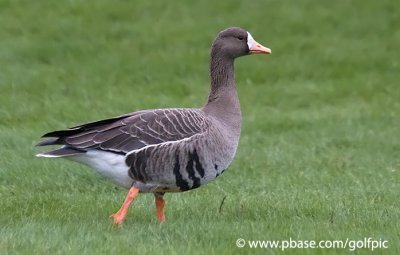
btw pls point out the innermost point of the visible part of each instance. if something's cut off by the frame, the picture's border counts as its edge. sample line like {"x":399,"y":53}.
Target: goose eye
{"x":241,"y":38}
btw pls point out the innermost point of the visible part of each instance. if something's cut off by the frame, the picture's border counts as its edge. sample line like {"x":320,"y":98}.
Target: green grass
{"x":319,"y":156}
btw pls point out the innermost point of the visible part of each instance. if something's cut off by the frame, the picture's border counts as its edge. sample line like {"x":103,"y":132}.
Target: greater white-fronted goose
{"x":166,"y":150}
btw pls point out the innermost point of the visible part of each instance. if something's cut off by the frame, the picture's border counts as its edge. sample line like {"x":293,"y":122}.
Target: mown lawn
{"x":319,"y":156}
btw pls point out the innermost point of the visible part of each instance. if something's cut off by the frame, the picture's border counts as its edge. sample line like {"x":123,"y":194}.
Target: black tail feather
{"x":49,"y":141}
{"x":58,"y":137}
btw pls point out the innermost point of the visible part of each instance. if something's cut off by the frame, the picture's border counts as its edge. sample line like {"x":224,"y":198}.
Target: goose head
{"x":236,"y":42}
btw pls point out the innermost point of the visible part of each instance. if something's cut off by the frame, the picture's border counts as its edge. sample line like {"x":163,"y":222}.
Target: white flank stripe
{"x":41,"y":155}
{"x":160,"y":144}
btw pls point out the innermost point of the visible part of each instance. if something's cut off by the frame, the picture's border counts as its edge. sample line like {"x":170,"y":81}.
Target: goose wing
{"x":132,"y":131}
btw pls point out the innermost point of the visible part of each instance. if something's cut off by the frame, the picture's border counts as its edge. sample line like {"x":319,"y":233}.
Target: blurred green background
{"x":319,"y":152}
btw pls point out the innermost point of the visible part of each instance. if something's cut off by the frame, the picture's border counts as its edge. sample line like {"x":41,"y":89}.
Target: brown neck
{"x":223,"y":101}
{"x":222,"y":74}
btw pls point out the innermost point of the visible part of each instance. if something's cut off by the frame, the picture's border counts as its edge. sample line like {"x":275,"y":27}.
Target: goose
{"x":166,"y":150}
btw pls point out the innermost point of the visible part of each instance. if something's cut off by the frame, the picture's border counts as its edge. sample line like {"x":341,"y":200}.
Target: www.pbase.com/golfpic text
{"x":349,"y":244}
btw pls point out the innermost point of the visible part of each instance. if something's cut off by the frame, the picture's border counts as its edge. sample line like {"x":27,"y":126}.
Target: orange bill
{"x":257,"y":48}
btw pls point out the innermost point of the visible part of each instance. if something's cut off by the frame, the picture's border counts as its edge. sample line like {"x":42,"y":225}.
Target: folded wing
{"x":129,"y":132}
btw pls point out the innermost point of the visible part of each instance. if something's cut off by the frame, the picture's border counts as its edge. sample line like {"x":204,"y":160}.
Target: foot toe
{"x":116,"y":219}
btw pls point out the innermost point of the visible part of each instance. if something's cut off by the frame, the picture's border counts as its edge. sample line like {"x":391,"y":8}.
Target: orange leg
{"x":160,"y":202}
{"x":121,"y":214}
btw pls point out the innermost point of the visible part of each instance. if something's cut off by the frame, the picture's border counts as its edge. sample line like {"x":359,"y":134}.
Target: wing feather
{"x":132,"y":131}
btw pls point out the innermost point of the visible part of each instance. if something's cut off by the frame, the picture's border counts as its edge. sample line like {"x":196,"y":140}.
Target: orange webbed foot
{"x":119,"y":216}
{"x":117,"y":219}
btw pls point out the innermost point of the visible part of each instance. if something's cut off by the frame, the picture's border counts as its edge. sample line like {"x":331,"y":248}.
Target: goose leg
{"x":160,"y":202}
{"x":119,"y":216}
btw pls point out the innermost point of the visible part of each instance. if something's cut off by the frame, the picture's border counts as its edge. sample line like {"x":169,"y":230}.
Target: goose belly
{"x":184,"y":178}
{"x":183,"y":169}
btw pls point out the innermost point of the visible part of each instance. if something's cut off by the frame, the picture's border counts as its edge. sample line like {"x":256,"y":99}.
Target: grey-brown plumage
{"x":167,"y":150}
